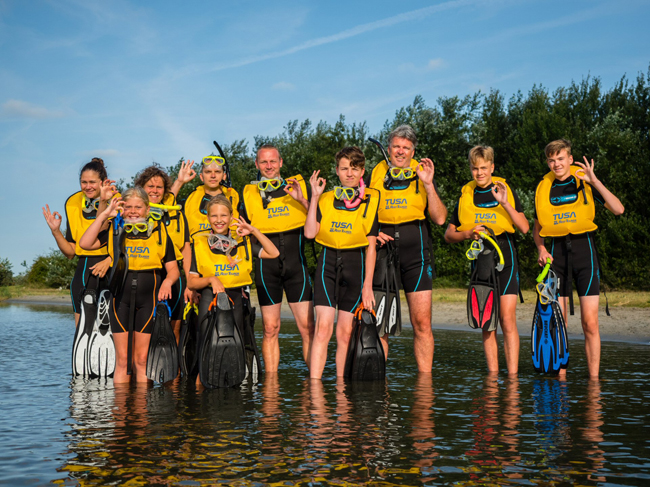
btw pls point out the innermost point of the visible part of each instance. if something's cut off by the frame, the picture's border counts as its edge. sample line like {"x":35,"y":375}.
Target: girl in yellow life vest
{"x":489,"y":202}
{"x":81,"y":209}
{"x":157,"y":185}
{"x":344,"y":221}
{"x":149,"y":250}
{"x":222,"y":263}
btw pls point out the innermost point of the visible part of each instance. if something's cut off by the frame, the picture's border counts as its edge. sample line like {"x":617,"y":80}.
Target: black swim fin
{"x":187,"y":353}
{"x":385,"y":285}
{"x":253,"y":363}
{"x":222,"y":362}
{"x":365,"y":359}
{"x":82,"y":333}
{"x":101,"y":347}
{"x":162,"y":358}
{"x":549,"y":344}
{"x":120,"y":266}
{"x":483,"y":293}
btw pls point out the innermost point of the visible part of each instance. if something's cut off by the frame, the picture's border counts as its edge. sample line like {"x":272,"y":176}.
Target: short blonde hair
{"x":136,"y":192}
{"x":556,"y":146}
{"x":219,"y":200}
{"x":484,"y":152}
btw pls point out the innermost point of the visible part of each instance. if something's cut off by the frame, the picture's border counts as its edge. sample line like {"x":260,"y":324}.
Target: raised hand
{"x":294,"y":190}
{"x":426,"y":170}
{"x":243,"y":227}
{"x":114,"y":207}
{"x":317,"y":184}
{"x":587,"y":174}
{"x":108,"y":190}
{"x":500,"y":192}
{"x":53,"y":219}
{"x":186,"y":173}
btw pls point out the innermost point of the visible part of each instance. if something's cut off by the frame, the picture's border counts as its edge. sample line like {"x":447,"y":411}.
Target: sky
{"x":137,"y":82}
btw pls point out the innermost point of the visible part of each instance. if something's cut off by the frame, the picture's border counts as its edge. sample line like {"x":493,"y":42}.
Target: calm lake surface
{"x":459,"y":427}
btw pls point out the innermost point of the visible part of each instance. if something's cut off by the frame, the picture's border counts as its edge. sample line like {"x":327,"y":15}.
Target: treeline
{"x":610,"y":126}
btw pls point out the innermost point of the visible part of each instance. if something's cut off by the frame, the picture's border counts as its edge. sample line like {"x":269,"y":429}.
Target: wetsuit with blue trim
{"x":178,"y":231}
{"x":80,"y":214}
{"x":481,"y":208}
{"x":343,"y":234}
{"x":403,"y":216}
{"x":282,"y":219}
{"x":565,"y":211}
{"x":147,"y":254}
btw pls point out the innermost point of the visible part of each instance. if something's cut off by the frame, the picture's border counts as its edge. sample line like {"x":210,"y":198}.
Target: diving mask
{"x":223,"y":243}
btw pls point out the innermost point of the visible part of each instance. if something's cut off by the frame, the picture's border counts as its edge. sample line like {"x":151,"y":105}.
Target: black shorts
{"x":146,"y":298}
{"x":414,"y":244}
{"x":286,"y":273}
{"x":204,"y":304}
{"x":509,"y":276}
{"x":584,"y":264}
{"x":348,"y":268}
{"x":82,"y":278}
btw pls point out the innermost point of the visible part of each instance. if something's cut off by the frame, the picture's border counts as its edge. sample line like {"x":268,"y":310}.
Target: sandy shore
{"x":626,"y":323}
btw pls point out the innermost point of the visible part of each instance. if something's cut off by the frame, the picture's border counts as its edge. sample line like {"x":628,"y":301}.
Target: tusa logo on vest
{"x":137,"y":252}
{"x":568,"y":217}
{"x":279,"y":211}
{"x":204,"y":226}
{"x":341,"y":227}
{"x":485,"y":217}
{"x":395,"y":203}
{"x":226,"y":269}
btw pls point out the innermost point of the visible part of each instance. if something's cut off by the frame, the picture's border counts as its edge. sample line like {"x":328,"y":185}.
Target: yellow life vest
{"x":345,"y":229}
{"x":399,"y":205}
{"x":209,"y":263}
{"x":197,"y":221}
{"x":496,"y":218}
{"x":572,"y":218}
{"x":144,"y":254}
{"x":78,"y":224}
{"x":280,"y":215}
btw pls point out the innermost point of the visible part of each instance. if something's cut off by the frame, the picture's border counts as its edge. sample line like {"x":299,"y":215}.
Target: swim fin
{"x":83,"y":332}
{"x":386,"y":289}
{"x":483,"y":293}
{"x":365,"y":359}
{"x":222,"y":362}
{"x":101,"y":348}
{"x":252,"y":354}
{"x":188,"y":340}
{"x":549,"y":344}
{"x":162,"y":358}
{"x":120,"y":266}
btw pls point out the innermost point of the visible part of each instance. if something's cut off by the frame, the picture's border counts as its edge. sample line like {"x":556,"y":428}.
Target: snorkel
{"x":360,"y":193}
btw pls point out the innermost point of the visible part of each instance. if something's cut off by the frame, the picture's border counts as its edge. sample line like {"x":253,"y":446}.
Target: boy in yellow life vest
{"x":489,"y":202}
{"x":564,"y":213}
{"x":344,"y":222}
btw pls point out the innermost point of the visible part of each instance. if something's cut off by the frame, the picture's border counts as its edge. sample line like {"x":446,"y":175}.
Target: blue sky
{"x":136,"y":82}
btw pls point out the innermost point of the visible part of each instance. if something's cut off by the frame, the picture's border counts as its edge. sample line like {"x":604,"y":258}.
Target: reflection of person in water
{"x":551,"y":409}
{"x":591,"y":432}
{"x":422,"y":423}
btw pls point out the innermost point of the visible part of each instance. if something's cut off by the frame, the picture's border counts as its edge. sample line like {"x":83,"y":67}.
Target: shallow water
{"x":459,"y":426}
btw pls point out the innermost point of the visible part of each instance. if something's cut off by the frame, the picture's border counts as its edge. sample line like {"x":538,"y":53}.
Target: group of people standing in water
{"x":220,"y":236}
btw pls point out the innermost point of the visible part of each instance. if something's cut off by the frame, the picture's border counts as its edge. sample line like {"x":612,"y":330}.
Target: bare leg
{"x":140,"y":351}
{"x":343,"y":334}
{"x":508,"y":312}
{"x":322,"y":334}
{"x":303,"y":312}
{"x":76,"y":319}
{"x":589,"y":319}
{"x":420,"y":313}
{"x":121,"y":344}
{"x":270,"y":344}
{"x":176,"y":326}
{"x":491,"y":349}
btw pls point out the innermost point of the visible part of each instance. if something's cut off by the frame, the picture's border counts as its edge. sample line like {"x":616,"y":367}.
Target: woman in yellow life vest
{"x":157,"y":185}
{"x":564,"y":213}
{"x":489,"y":202}
{"x":223,"y":263}
{"x":344,"y":221}
{"x":81,"y":209}
{"x":149,"y":250}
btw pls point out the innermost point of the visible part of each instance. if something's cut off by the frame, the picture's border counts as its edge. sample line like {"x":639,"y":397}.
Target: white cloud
{"x":283,"y":86}
{"x":435,"y":64}
{"x":22,"y":109}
